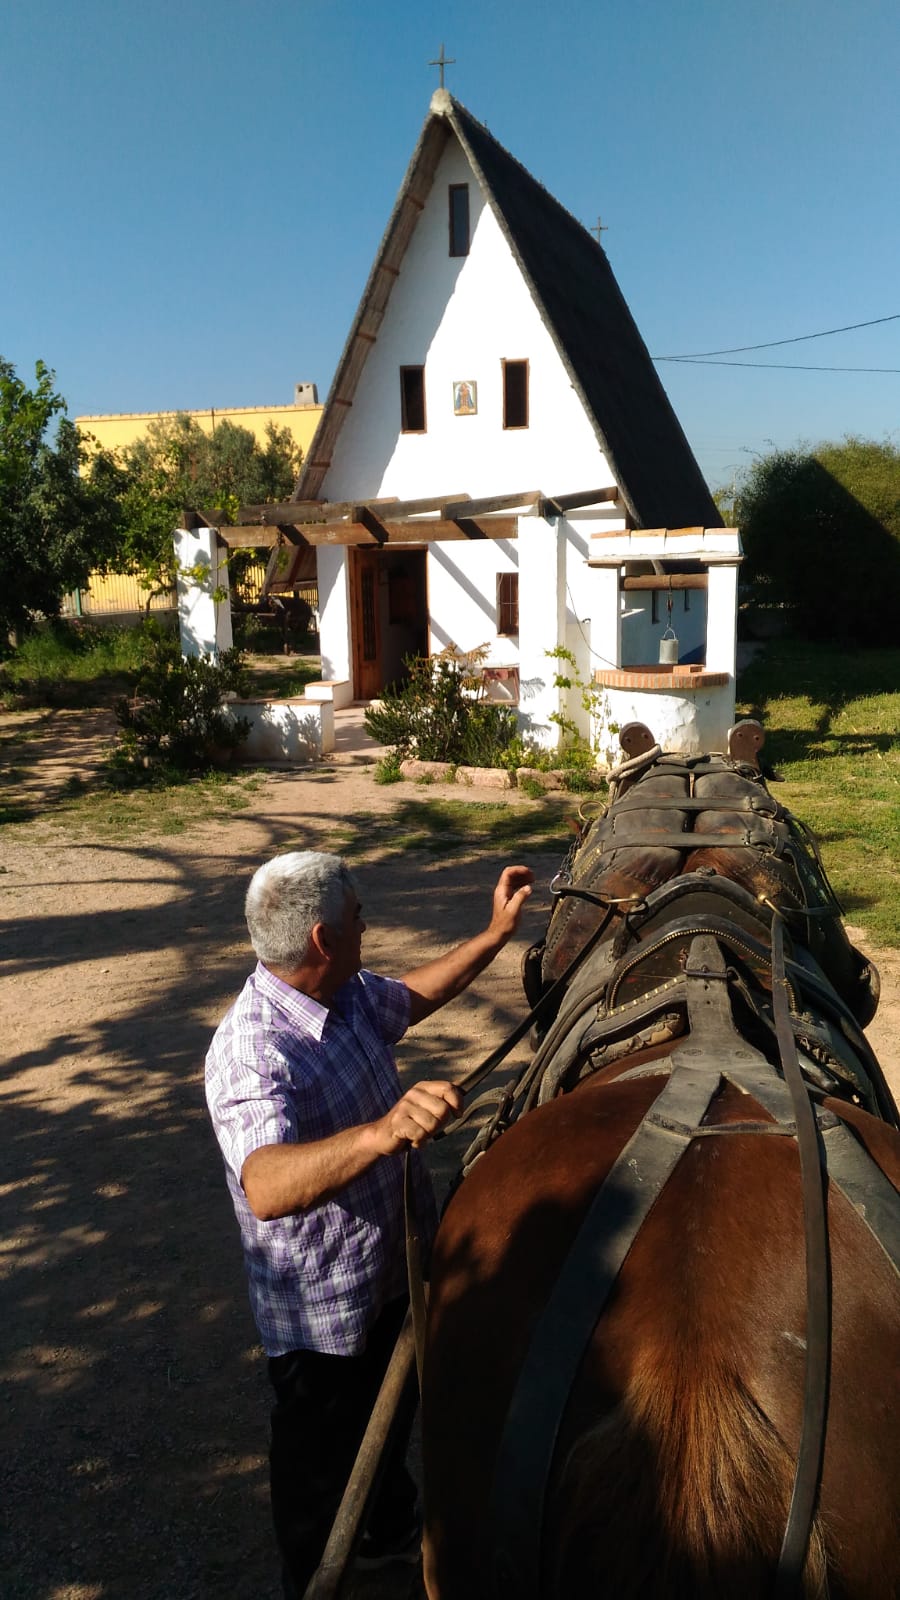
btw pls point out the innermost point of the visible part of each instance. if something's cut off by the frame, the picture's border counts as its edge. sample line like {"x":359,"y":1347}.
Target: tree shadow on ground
{"x":134,"y":1429}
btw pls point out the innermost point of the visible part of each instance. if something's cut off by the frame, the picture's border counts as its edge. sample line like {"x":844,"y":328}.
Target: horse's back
{"x":673,"y":1466}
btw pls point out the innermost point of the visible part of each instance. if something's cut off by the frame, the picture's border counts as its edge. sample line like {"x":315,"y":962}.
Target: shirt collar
{"x":303,"y":1011}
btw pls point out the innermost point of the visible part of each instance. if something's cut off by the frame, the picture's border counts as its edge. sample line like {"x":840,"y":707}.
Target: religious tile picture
{"x":465,"y":398}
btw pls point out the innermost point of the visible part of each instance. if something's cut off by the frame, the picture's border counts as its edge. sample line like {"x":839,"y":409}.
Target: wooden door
{"x":367,"y":672}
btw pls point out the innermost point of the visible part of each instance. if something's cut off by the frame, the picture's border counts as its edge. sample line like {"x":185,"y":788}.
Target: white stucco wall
{"x":459,"y":317}
{"x":204,"y":622}
{"x":462,"y":597}
{"x":334,"y":611}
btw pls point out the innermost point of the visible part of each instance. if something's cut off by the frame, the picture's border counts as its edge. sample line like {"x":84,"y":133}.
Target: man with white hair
{"x":312,"y":1122}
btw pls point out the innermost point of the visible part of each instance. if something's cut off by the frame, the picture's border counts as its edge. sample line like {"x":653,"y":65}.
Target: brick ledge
{"x":684,"y":679}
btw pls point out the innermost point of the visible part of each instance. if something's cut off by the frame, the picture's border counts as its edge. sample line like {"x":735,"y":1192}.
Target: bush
{"x":821,"y":534}
{"x":74,"y":663}
{"x":175,"y":720}
{"x":437,"y":715}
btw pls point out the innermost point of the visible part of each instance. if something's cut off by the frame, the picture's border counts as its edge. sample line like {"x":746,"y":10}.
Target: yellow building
{"x":117,"y":594}
{"x":115,"y":431}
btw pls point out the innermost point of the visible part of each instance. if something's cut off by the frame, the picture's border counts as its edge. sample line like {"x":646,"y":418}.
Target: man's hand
{"x":513,"y":889}
{"x":418,"y":1115}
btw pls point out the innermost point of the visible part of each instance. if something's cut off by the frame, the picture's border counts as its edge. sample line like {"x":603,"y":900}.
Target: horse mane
{"x":685,"y":1487}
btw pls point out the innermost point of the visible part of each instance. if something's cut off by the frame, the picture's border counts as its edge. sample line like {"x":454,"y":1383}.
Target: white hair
{"x":288,"y":896}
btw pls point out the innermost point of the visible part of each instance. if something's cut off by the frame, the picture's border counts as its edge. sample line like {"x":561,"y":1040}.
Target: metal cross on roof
{"x":442,"y":62}
{"x":601,"y":227}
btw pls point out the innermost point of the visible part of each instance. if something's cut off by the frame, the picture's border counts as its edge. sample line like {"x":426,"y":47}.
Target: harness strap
{"x":567,"y":1322}
{"x":750,"y":839}
{"x":872,"y":1195}
{"x":807,"y":1473}
{"x":640,"y":800}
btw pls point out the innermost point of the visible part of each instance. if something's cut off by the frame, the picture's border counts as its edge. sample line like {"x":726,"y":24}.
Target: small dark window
{"x":412,"y":399}
{"x":459,"y":219}
{"x":507,"y":602}
{"x":654,"y":605}
{"x":515,"y":394}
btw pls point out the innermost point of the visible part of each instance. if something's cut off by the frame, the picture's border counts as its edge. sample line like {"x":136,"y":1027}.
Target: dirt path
{"x":134,"y":1397}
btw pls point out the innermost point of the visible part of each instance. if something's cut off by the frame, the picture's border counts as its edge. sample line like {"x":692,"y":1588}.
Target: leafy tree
{"x":58,"y":509}
{"x":176,"y":465}
{"x":821,"y":534}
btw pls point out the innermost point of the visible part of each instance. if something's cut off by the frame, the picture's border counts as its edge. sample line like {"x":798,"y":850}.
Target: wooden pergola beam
{"x":452,"y":509}
{"x":557,"y":504}
{"x":372,"y":524}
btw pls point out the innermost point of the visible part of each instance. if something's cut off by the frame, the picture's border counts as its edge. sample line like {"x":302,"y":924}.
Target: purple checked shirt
{"x":283,"y":1069}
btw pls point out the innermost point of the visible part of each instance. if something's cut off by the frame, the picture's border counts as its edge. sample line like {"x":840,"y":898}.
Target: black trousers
{"x":323,"y":1404}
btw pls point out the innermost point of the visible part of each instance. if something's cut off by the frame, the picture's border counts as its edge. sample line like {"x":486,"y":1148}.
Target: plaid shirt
{"x":283,"y":1069}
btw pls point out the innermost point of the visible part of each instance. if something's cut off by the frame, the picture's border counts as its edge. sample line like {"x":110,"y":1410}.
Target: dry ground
{"x":134,"y":1396}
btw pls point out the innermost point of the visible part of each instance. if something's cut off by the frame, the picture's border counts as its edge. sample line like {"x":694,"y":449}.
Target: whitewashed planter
{"x":295,"y":731}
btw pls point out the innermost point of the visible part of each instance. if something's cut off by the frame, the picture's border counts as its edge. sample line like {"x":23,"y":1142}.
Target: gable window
{"x":412,"y":399}
{"x":507,"y":602}
{"x":515,"y":394}
{"x":459,"y":219}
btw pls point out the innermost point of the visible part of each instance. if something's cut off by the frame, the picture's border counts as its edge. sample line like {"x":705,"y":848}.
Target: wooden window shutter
{"x":507,"y":602}
{"x":459,"y":219}
{"x":412,"y":399}
{"x":515,"y":394}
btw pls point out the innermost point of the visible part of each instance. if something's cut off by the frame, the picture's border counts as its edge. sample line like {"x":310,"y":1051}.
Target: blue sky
{"x":192,"y":192}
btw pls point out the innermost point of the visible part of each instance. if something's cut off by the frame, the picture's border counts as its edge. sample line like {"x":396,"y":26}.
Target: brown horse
{"x":664,"y":1466}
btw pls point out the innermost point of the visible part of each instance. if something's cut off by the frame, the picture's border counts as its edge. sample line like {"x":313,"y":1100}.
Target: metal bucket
{"x":668,"y":649}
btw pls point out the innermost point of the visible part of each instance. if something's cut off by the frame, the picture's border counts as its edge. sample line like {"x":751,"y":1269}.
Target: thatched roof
{"x":573,"y":287}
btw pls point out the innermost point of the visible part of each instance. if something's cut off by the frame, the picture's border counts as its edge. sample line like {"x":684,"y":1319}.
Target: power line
{"x":781,"y":366}
{"x":741,"y":349}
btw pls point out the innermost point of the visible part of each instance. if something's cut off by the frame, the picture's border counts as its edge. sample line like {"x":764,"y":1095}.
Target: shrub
{"x":437,"y":714}
{"x":387,"y":770}
{"x":821,"y":535}
{"x":175,"y":720}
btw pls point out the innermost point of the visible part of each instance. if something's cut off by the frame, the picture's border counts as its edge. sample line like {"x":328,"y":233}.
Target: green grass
{"x":279,"y":677}
{"x":833,"y":732}
{"x":72,"y":664}
{"x":455,"y":827}
{"x":127,"y":816}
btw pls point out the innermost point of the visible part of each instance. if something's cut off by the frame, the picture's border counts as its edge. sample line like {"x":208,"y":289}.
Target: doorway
{"x":389,"y":616}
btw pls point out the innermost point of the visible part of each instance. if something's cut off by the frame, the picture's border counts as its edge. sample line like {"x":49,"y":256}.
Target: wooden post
{"x":327,"y":1581}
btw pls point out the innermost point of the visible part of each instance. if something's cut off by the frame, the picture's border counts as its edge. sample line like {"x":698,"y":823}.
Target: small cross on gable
{"x":443,"y":61}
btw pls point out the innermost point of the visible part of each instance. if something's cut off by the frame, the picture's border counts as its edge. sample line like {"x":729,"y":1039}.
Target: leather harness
{"x":728,"y":938}
{"x":713,"y":1050}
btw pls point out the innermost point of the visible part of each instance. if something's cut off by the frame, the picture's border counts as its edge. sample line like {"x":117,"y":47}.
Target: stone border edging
{"x":482,"y":777}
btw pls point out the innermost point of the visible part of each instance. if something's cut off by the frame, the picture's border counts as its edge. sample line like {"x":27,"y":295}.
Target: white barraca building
{"x":498,"y":465}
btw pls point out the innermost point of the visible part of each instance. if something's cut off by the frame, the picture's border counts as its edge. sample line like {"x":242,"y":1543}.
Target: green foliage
{"x":821,"y":534}
{"x":74,"y":663}
{"x":176,"y":465}
{"x":174,"y":720}
{"x":437,"y":715}
{"x":58,"y":515}
{"x":387,"y":770}
{"x":533,"y":788}
{"x":575,"y":750}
